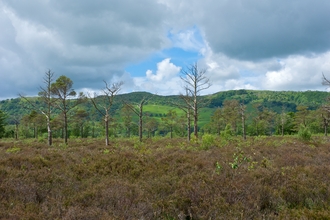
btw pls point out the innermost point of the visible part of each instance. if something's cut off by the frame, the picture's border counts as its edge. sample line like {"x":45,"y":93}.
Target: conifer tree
{"x":66,"y":99}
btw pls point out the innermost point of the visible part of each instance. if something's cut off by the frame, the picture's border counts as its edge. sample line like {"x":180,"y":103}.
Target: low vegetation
{"x":213,"y":178}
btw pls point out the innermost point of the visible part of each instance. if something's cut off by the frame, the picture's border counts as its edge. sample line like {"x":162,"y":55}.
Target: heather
{"x":161,"y":178}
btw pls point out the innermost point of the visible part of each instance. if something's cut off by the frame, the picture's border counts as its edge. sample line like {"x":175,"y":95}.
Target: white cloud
{"x":237,"y":84}
{"x":300,"y":72}
{"x":297,"y":72}
{"x":165,"y":71}
{"x":166,"y":81}
{"x":172,"y":86}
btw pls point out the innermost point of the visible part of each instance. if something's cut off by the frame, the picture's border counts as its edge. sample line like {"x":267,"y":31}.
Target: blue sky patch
{"x":185,"y":51}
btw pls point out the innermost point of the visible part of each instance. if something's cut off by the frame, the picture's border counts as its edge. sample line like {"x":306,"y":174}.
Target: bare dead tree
{"x":109,"y":94}
{"x":283,"y":118}
{"x":195,"y":81}
{"x":186,"y":108}
{"x":45,"y":96}
{"x":16,"y":120}
{"x":325,"y":115}
{"x":46,"y":99}
{"x":325,"y":108}
{"x":138,"y":110}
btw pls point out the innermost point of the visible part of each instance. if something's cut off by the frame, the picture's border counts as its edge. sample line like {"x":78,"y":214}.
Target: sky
{"x":260,"y":45}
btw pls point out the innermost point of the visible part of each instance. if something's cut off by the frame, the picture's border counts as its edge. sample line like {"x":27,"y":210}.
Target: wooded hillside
{"x":262,"y":109}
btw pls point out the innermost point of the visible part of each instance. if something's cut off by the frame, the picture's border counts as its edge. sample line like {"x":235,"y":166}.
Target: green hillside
{"x":158,"y":105}
{"x":273,"y":100}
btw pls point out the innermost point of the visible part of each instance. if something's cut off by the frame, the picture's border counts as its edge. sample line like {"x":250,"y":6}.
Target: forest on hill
{"x":273,"y":100}
{"x":265,"y":112}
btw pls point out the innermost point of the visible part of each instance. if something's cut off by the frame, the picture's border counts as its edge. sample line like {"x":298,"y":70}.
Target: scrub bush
{"x":304,"y":133}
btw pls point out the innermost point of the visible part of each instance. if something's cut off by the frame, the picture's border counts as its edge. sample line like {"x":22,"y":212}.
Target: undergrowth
{"x":260,"y":178}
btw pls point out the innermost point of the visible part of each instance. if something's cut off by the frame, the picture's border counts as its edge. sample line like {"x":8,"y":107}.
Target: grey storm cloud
{"x":251,"y":30}
{"x":257,"y":30}
{"x":92,"y":41}
{"x":97,"y":23}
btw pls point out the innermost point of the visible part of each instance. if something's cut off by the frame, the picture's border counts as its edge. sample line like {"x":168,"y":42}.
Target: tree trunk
{"x":140,"y":127}
{"x":257,"y":133}
{"x":50,"y":136}
{"x":195,"y":126}
{"x":188,"y":125}
{"x":325,"y":127}
{"x":195,"y":115}
{"x":65,"y":128}
{"x":106,"y":120}
{"x":325,"y":131}
{"x":128,"y":132}
{"x":243,"y":126}
{"x":34,"y":131}
{"x":82,"y":131}
{"x":16,"y":131}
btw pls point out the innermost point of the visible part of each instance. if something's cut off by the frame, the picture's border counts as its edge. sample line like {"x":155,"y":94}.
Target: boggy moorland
{"x":162,"y":178}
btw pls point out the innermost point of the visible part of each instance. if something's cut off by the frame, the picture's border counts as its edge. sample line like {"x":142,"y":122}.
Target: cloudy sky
{"x":260,"y":45}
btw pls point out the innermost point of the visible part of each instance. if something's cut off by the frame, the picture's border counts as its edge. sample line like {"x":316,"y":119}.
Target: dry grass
{"x":262,"y":178}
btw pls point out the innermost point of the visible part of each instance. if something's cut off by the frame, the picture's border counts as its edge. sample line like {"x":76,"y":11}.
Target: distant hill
{"x":273,"y":100}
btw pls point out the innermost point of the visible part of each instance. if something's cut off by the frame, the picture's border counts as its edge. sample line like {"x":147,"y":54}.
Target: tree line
{"x":57,"y":113}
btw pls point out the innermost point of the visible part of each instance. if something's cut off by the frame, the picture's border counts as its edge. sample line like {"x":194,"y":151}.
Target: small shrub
{"x":227,"y":133}
{"x":238,"y":159}
{"x":106,"y":151}
{"x":265,"y":163}
{"x":193,"y":139}
{"x":304,"y":134}
{"x":13,"y":150}
{"x":62,"y":146}
{"x":138,"y":145}
{"x":169,"y":146}
{"x":208,"y":141}
{"x":218,"y":168}
{"x":41,"y":139}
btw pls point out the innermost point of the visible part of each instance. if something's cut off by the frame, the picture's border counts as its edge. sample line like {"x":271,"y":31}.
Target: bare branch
{"x":109,"y":93}
{"x":195,"y":81}
{"x":325,"y":81}
{"x":46,"y":98}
